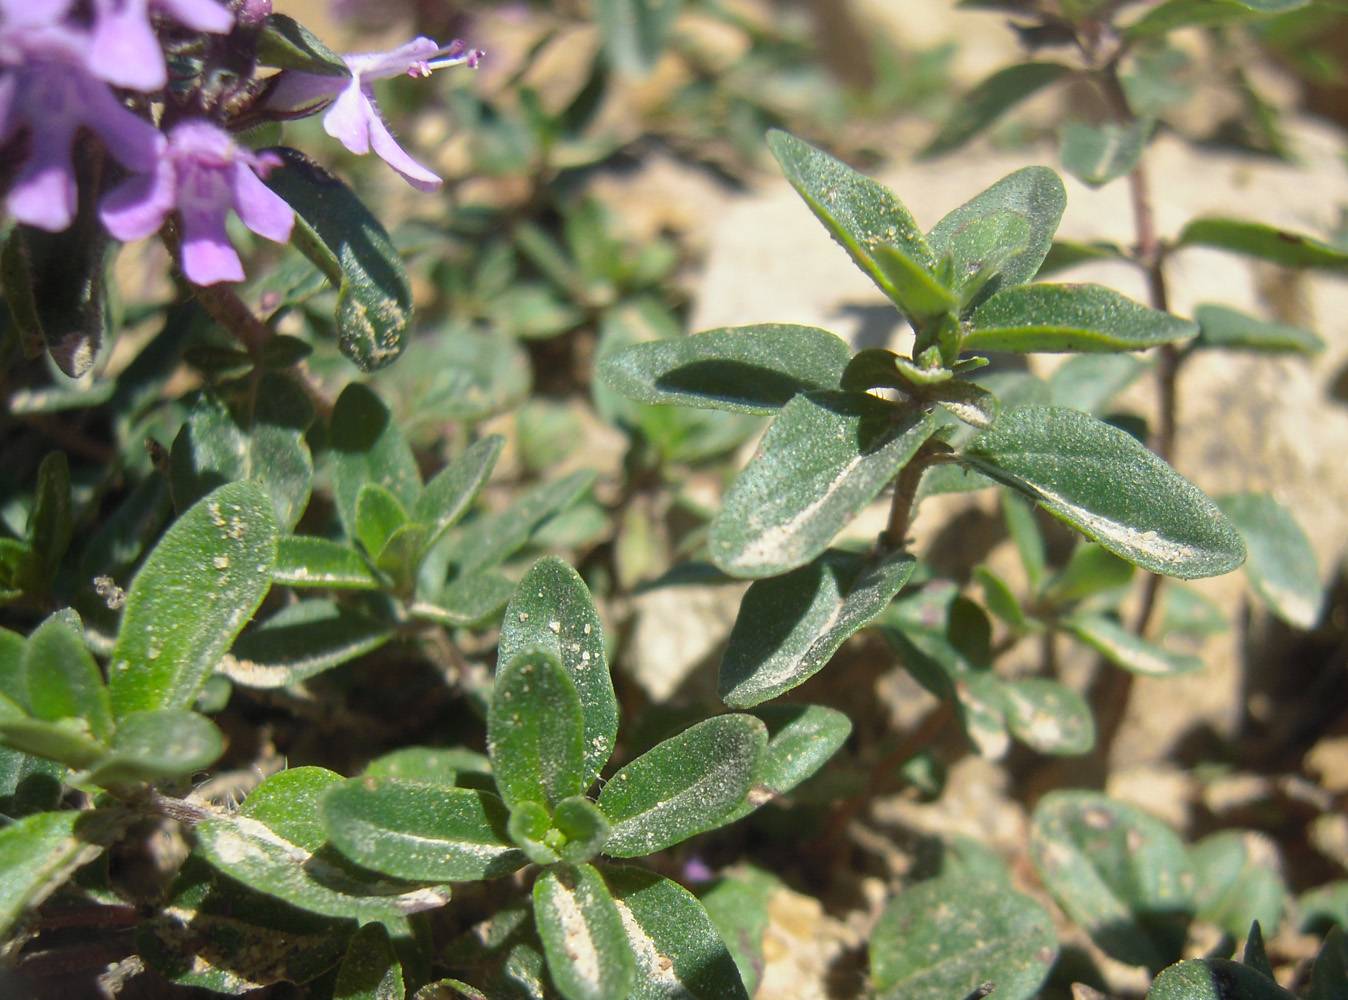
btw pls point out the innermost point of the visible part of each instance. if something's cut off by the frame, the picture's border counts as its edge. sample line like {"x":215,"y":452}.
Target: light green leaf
{"x":307,"y":561}
{"x":40,"y":852}
{"x":370,"y":969}
{"x":1089,"y":382}
{"x":469,"y":601}
{"x":683,"y":786}
{"x":552,"y":609}
{"x":368,"y":447}
{"x":191,"y":597}
{"x":1110,"y":638}
{"x":489,"y":541}
{"x":453,"y":489}
{"x":1173,"y":14}
{"x":1281,"y":567}
{"x":1238,"y":880}
{"x":535,"y":731}
{"x":299,"y":641}
{"x":1098,"y":154}
{"x":435,"y":765}
{"x":991,"y":99}
{"x":941,"y":939}
{"x":589,"y":957}
{"x":744,"y":369}
{"x":1070,"y":319}
{"x":679,"y":953}
{"x":418,"y":831}
{"x":378,"y":516}
{"x":152,"y":745}
{"x":1091,"y":570}
{"x":1001,"y":600}
{"x":790,"y":626}
{"x":1256,"y":239}
{"x":1103,"y":482}
{"x":1118,"y":872}
{"x":737,"y":903}
{"x":63,"y":681}
{"x":801,"y":739}
{"x":1227,"y":329}
{"x":1048,"y":717}
{"x":825,"y":457}
{"x":634,"y":33}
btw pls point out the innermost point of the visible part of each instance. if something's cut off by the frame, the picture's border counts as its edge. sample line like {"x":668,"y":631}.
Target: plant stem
{"x":905,"y":494}
{"x":224,"y":306}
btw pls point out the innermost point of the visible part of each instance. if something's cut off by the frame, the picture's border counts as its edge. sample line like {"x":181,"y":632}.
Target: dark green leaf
{"x":1281,"y":567}
{"x":400,"y":557}
{"x":150,"y":746}
{"x":194,"y":593}
{"x":63,"y":681}
{"x":744,"y":369}
{"x":1228,"y":329}
{"x":552,"y":609}
{"x":370,"y":969}
{"x":1238,"y":880}
{"x":66,"y":277}
{"x":418,"y":831}
{"x":468,"y":601}
{"x":1070,"y":319}
{"x":368,"y":447}
{"x":589,"y":957}
{"x":28,"y":784}
{"x":51,"y":522}
{"x":801,"y":739}
{"x":634,"y":33}
{"x":1214,"y":979}
{"x":1255,"y":954}
{"x":65,"y":740}
{"x":998,"y":239}
{"x":287,"y":44}
{"x":535,"y":731}
{"x":335,"y":230}
{"x":40,"y":852}
{"x":450,"y":493}
{"x":1255,"y":239}
{"x":306,"y":561}
{"x":1110,"y":638}
{"x":1048,"y":717}
{"x":299,"y":641}
{"x":941,"y":939}
{"x":1118,"y":872}
{"x":825,"y":457}
{"x":1098,"y":154}
{"x":1173,"y":14}
{"x":378,"y":516}
{"x":1103,"y":482}
{"x":683,"y":786}
{"x":1329,"y":975}
{"x":991,"y":99}
{"x":488,"y":541}
{"x":789,"y":626}
{"x":585,"y":828}
{"x":679,"y":953}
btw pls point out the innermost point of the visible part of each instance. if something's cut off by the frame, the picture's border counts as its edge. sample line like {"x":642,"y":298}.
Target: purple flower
{"x":125,"y":51}
{"x":202,"y":173}
{"x":354,"y":117}
{"x":45,"y":87}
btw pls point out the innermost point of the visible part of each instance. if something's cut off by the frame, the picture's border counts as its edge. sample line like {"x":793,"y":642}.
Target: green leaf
{"x":370,"y":969}
{"x":191,"y":597}
{"x":991,"y":99}
{"x":247,"y":432}
{"x":1098,"y":154}
{"x":65,"y":740}
{"x":489,"y":541}
{"x":589,"y":957}
{"x":1227,"y":329}
{"x":453,"y":489}
{"x":1281,"y":567}
{"x":28,"y":784}
{"x":998,"y":239}
{"x":63,"y":681}
{"x":1103,"y":482}
{"x":1173,"y":14}
{"x":1108,"y":637}
{"x":858,"y":212}
{"x":153,"y":745}
{"x":1214,"y":979}
{"x":679,"y":953}
{"x":306,"y":561}
{"x":1255,"y":239}
{"x":585,"y":828}
{"x":368,"y":447}
{"x":378,"y":516}
{"x":801,"y":739}
{"x":552,"y":609}
{"x":535,"y":731}
{"x":51,"y":522}
{"x":64,"y":289}
{"x":1070,"y":319}
{"x":1329,"y":975}
{"x":299,"y":641}
{"x":335,"y":230}
{"x":683,"y":786}
{"x":422,"y":832}
{"x":287,"y":44}
{"x":941,"y":939}
{"x":737,"y":903}
{"x":1001,"y":600}
{"x":40,"y":852}
{"x":468,"y":601}
{"x":1091,"y":570}
{"x":1324,"y":907}
{"x":789,"y":626}
{"x":1121,"y":874}
{"x":1048,"y":717}
{"x":744,"y":369}
{"x":634,"y":33}
{"x":1025,"y":535}
{"x":1238,"y":880}
{"x":1089,"y":382}
{"x":435,"y":765}
{"x":825,"y":457}
{"x":918,"y":292}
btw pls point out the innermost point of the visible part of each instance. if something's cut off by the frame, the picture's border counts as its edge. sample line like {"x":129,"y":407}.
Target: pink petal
{"x":261,"y":209}
{"x":204,"y":15}
{"x":45,"y":195}
{"x":396,"y":62}
{"x":208,"y":256}
{"x":137,"y":208}
{"x":396,"y":157}
{"x":132,"y":141}
{"x":349,"y":118}
{"x":124,"y":49}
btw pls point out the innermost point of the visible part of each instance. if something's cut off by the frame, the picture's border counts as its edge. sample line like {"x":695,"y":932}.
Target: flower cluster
{"x":74,"y":67}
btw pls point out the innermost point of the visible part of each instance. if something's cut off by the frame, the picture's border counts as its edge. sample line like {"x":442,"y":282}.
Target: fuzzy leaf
{"x":378,"y":516}
{"x":450,"y":493}
{"x":370,"y":969}
{"x":62,"y":679}
{"x":1048,"y":717}
{"x":166,"y":743}
{"x":51,"y":521}
{"x":1238,"y":881}
{"x":299,"y":641}
{"x":825,"y":457}
{"x":801,"y":739}
{"x":685,"y":785}
{"x":40,"y":852}
{"x":1098,"y":154}
{"x":1108,"y":637}
{"x":191,"y":597}
{"x":535,"y":731}
{"x":789,"y":626}
{"x":1070,"y":319}
{"x":1255,"y":239}
{"x":368,"y":447}
{"x":1227,"y":329}
{"x":1103,"y":482}
{"x":307,"y":561}
{"x":1281,"y":567}
{"x":582,"y":932}
{"x":991,"y":99}
{"x":1214,"y":979}
{"x":490,"y":540}
{"x":287,"y":44}
{"x":744,"y":369}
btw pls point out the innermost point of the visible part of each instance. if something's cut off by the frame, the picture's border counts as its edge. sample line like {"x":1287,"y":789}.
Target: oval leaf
{"x":193,"y":594}
{"x":368,"y":447}
{"x":306,"y":561}
{"x":1070,"y":319}
{"x":1098,"y":154}
{"x":63,"y":680}
{"x":1255,"y":239}
{"x":582,"y":933}
{"x":744,"y":369}
{"x":801,"y":739}
{"x":991,"y":99}
{"x":1108,"y":637}
{"x":299,"y":641}
{"x":1103,"y":482}
{"x":1048,"y":717}
{"x":167,"y":743}
{"x":1228,"y":329}
{"x":789,"y":626}
{"x":825,"y":457}
{"x":40,"y":852}
{"x":683,"y":786}
{"x":535,"y":731}
{"x":1281,"y":567}
{"x":370,"y":969}
{"x":1239,"y":881}
{"x":1215,"y":979}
